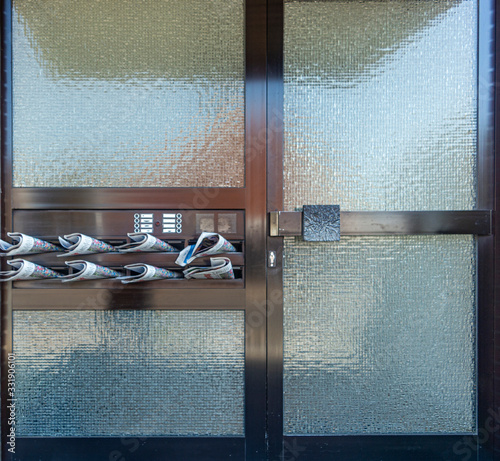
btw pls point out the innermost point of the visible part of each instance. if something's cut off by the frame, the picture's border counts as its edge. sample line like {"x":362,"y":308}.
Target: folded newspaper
{"x":146,"y":273}
{"x":86,"y":270}
{"x":24,"y":244}
{"x":208,"y":244}
{"x":144,"y":242}
{"x":80,"y":244}
{"x":220,"y":268}
{"x":26,"y":270}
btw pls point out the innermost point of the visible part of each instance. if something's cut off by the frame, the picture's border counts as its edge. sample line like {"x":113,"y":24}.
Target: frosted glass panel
{"x":380,"y":335}
{"x":128,"y":93}
{"x":380,"y":104}
{"x":154,"y":373}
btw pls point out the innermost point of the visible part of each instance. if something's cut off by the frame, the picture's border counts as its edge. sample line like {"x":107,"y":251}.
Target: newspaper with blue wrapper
{"x":208,"y":244}
{"x":220,"y":268}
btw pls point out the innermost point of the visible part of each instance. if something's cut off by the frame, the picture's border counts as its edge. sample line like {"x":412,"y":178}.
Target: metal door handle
{"x":320,"y":223}
{"x":293,"y":223}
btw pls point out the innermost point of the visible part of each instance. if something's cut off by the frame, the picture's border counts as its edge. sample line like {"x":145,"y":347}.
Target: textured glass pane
{"x":103,"y":373}
{"x":128,"y":93}
{"x":380,"y":335}
{"x":380,"y":104}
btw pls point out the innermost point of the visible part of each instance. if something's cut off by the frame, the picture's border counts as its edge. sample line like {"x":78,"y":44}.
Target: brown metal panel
{"x":105,"y":224}
{"x":178,"y":198}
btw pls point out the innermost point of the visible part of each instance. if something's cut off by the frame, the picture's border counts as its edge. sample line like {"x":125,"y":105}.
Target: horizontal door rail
{"x":84,"y":298}
{"x":82,"y":198}
{"x":383,"y":447}
{"x":479,"y":222}
{"x":130,"y":448}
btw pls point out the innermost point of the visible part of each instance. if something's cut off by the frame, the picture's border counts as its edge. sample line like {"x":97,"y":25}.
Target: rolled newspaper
{"x":220,"y":268}
{"x":208,"y":244}
{"x":86,"y":270}
{"x":80,"y":244}
{"x":147,"y":273}
{"x":25,"y":244}
{"x":26,"y":270}
{"x":144,"y":242}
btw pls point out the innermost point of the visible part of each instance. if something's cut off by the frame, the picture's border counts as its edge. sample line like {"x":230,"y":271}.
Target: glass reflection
{"x":380,"y":104}
{"x":379,"y":335}
{"x":118,"y":373}
{"x":128,"y":93}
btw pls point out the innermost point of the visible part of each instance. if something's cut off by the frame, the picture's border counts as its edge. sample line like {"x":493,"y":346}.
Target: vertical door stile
{"x":275,"y":203}
{"x":255,"y":202}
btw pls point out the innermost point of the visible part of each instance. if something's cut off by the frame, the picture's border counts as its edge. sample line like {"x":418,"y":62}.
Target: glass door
{"x":174,"y":118}
{"x":385,"y":112}
{"x":121,"y":117}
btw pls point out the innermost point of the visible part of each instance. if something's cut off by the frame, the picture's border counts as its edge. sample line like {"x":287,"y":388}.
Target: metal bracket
{"x":274,"y":217}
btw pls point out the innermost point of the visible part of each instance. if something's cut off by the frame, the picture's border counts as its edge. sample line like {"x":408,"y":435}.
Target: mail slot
{"x":179,"y":229}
